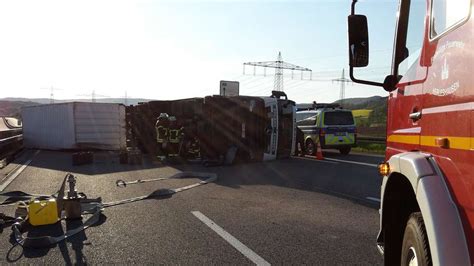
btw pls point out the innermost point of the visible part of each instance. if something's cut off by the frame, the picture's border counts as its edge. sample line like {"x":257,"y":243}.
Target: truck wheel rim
{"x":310,"y":148}
{"x":412,"y":260}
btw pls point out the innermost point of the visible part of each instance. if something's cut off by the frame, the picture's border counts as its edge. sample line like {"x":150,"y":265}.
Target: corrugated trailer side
{"x":234,"y":121}
{"x":144,"y":116}
{"x":100,"y":125}
{"x":74,"y":125}
{"x":49,"y":126}
{"x":143,"y":127}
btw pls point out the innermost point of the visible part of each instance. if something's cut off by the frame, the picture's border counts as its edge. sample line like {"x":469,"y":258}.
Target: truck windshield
{"x":338,"y":118}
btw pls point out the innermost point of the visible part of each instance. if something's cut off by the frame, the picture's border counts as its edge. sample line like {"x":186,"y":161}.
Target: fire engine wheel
{"x":415,"y":248}
{"x":345,"y":150}
{"x":310,"y":147}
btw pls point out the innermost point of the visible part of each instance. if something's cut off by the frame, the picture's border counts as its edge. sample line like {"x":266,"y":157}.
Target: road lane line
{"x":247,"y":252}
{"x":15,"y":173}
{"x":373,"y":199}
{"x":352,"y":162}
{"x":368,"y":154}
{"x":313,"y":159}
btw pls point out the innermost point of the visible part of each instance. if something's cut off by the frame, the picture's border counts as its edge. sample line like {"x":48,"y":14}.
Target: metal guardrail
{"x":10,"y":145}
{"x":366,"y":139}
{"x":10,"y":139}
{"x":10,"y":133}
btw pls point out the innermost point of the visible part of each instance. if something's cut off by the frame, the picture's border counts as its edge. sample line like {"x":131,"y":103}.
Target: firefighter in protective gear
{"x":162,"y":135}
{"x":194,"y":150}
{"x":176,"y":133}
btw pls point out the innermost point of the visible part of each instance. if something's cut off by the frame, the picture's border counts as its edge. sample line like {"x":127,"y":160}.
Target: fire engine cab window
{"x":445,"y":14}
{"x":415,"y":35}
{"x":338,"y":118}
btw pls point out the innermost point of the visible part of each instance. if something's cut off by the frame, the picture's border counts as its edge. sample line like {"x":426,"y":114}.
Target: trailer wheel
{"x":345,"y":150}
{"x":310,"y":147}
{"x":415,"y":247}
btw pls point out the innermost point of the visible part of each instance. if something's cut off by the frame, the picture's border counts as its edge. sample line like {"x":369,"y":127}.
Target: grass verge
{"x":375,"y":148}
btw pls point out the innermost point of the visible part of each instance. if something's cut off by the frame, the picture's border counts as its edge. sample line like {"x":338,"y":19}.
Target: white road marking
{"x":313,"y":159}
{"x":352,"y":162}
{"x":15,"y":173}
{"x":368,"y":154}
{"x":373,"y":199}
{"x":247,"y":252}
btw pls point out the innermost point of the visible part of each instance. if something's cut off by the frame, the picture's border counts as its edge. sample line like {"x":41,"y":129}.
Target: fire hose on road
{"x":50,"y":209}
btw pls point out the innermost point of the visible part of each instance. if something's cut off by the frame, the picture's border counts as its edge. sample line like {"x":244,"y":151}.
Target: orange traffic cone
{"x":319,"y":152}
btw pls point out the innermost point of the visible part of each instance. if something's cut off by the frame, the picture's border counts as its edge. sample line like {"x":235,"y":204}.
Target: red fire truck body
{"x":429,"y":174}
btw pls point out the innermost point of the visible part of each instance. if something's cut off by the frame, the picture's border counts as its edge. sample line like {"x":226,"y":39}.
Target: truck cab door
{"x":403,"y":120}
{"x":271,"y":129}
{"x":405,"y":103}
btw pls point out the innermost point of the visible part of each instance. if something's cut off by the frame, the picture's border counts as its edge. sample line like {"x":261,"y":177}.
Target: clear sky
{"x":181,"y":49}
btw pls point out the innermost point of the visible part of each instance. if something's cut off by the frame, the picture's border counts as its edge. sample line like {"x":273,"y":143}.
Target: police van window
{"x":303,"y":116}
{"x":338,"y":118}
{"x":300,"y":116}
{"x":445,"y":14}
{"x":310,"y":121}
{"x":415,"y":35}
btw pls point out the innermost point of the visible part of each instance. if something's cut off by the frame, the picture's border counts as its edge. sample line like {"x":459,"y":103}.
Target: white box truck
{"x":74,"y":125}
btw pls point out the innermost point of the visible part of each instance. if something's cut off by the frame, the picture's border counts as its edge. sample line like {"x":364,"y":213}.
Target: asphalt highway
{"x":291,"y":211}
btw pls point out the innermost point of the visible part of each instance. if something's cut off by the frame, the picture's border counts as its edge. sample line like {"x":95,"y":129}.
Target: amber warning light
{"x":384,"y":169}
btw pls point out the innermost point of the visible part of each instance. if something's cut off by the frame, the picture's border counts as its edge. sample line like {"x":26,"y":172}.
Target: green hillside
{"x":376,"y":104}
{"x":13,"y":108}
{"x":364,"y":113}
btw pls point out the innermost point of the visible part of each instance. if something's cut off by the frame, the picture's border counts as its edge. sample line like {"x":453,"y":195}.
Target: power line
{"x":254,"y":84}
{"x":297,"y":83}
{"x":279,"y":65}
{"x":318,"y":58}
{"x":258,"y":86}
{"x":259,"y":83}
{"x":93,"y":96}
{"x":329,"y":74}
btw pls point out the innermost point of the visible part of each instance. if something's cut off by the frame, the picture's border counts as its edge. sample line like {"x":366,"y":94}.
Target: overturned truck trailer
{"x":141,"y":120}
{"x":261,"y":128}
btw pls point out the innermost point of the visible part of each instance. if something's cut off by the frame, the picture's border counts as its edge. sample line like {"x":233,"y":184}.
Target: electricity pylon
{"x":93,"y":96}
{"x":279,"y":65}
{"x":51,"y":93}
{"x":342,"y":90}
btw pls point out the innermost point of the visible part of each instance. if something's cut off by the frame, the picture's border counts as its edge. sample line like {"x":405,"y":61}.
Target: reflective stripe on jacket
{"x":161,"y":134}
{"x":175,"y":135}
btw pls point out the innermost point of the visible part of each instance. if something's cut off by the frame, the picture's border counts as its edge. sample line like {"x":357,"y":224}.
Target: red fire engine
{"x":427,"y":194}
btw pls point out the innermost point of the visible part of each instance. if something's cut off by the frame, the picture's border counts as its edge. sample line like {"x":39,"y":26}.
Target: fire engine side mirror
{"x":358,"y":41}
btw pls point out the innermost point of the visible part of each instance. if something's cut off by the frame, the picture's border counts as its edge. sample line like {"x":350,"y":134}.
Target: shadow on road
{"x":353,"y":182}
{"x":76,"y":242}
{"x":104,"y":163}
{"x":353,"y":156}
{"x":349,"y":181}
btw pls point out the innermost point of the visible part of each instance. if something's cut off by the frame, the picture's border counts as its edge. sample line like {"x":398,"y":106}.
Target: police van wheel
{"x":345,"y":151}
{"x":415,"y":248}
{"x":310,"y":147}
